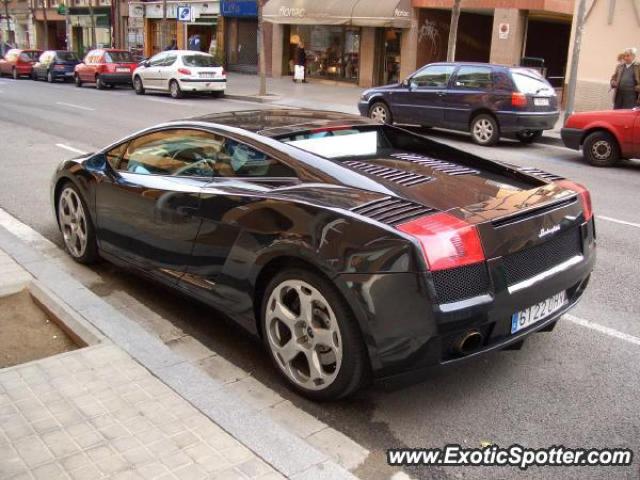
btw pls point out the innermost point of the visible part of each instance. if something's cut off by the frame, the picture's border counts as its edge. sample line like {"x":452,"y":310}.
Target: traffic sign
{"x":184,"y":13}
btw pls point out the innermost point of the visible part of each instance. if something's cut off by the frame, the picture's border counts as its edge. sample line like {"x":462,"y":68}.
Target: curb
{"x":252,"y":98}
{"x":290,"y":455}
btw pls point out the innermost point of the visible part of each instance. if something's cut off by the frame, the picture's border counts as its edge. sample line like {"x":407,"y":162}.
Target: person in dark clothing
{"x":300,"y":62}
{"x":172,"y":46}
{"x":626,"y":81}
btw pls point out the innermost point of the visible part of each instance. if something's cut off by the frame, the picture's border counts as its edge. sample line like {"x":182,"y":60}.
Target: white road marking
{"x":602,"y":329}
{"x":615,"y":220}
{"x":73,"y":105}
{"x":71,"y":149}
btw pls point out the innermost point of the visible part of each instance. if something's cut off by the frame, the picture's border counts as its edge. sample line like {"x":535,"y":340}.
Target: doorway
{"x":389,"y":41}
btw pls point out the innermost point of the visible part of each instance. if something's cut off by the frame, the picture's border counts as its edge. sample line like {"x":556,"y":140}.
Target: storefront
{"x":348,"y":41}
{"x":90,"y":28}
{"x":240,"y":34}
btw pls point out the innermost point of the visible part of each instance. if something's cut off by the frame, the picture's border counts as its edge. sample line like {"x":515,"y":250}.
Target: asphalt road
{"x":577,"y":386}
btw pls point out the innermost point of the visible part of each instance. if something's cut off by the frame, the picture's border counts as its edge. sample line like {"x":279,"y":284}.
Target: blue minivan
{"x":487,"y":100}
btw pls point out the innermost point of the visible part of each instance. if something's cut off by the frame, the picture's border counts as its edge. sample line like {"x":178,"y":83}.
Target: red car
{"x":19,"y":63}
{"x":605,"y":137}
{"x":106,"y":67}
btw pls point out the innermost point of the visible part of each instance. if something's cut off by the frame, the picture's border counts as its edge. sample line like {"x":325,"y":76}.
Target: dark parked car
{"x":354,"y":249}
{"x":55,"y":65}
{"x":489,"y":101}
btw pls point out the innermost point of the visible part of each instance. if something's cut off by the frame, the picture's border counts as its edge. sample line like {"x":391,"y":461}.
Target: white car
{"x":178,"y":72}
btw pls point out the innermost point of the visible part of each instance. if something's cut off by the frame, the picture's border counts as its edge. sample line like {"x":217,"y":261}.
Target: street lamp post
{"x":262,"y":61}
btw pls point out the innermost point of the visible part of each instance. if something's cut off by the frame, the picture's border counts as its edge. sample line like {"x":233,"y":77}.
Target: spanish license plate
{"x":541,"y":102}
{"x":537,"y":312}
{"x":122,"y":69}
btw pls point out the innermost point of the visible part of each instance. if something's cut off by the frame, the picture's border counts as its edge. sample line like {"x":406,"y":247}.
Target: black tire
{"x":50,"y":78}
{"x":381,"y":112}
{"x":529,"y":136}
{"x":484,"y":130}
{"x":174,"y":89}
{"x":601,"y":149}
{"x":14,"y":73}
{"x":90,"y":254}
{"x":77,"y":80}
{"x":138,"y":86}
{"x":34,"y":75}
{"x":100,"y":85}
{"x":354,"y":371}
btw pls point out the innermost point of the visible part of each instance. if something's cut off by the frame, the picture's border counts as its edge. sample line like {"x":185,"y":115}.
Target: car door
{"x":469,"y":90}
{"x":167,"y":70}
{"x":151,"y":75}
{"x":85,"y":70}
{"x":421,"y":102}
{"x":147,"y":201}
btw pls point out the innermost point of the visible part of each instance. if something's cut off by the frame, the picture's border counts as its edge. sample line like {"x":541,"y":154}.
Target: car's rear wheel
{"x":14,"y":73}
{"x":312,"y":335}
{"x":76,"y":226}
{"x":77,"y":80}
{"x":100,"y":85}
{"x":138,"y":85}
{"x":174,"y":89}
{"x":601,"y":149}
{"x":380,"y":111}
{"x":485,"y":130}
{"x":529,"y":136}
{"x":50,"y":78}
{"x":34,"y":76}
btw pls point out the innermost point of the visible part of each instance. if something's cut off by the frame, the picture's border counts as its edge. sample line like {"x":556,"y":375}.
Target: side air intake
{"x":536,"y":172}
{"x":401,"y":177}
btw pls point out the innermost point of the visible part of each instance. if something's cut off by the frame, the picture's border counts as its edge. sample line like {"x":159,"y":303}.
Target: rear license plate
{"x":541,"y":102}
{"x":122,"y":69}
{"x":207,"y":75}
{"x":537,"y":312}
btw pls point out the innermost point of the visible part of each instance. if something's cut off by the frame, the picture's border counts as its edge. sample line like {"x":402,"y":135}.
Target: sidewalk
{"x":125,"y":406}
{"x":316,"y":94}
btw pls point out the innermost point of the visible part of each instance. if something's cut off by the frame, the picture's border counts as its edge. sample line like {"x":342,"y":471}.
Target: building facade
{"x":240,"y":37}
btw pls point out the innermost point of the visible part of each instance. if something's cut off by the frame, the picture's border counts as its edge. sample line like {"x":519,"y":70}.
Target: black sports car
{"x":356,"y":250}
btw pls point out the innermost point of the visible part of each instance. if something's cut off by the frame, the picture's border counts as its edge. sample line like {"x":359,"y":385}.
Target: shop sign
{"x":154,"y":10}
{"x":136,"y":10}
{"x":239,"y":8}
{"x":401,"y":13}
{"x":292,"y":12}
{"x":503,"y":31}
{"x":206,"y":8}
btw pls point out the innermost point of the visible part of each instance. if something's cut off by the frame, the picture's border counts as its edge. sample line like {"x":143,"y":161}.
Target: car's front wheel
{"x":138,"y":86}
{"x":484,"y":130}
{"x":380,"y":111}
{"x":312,"y":335}
{"x":14,"y":73}
{"x":601,"y":149}
{"x":529,"y":136}
{"x":76,"y":226}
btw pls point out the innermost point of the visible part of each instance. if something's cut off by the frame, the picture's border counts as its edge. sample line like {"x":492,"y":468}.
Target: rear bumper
{"x":571,"y":137}
{"x":117,"y":78}
{"x":202,"y":85}
{"x":363,"y":107}
{"x":514,"y":122}
{"x":24,"y":69}
{"x":412,"y":332}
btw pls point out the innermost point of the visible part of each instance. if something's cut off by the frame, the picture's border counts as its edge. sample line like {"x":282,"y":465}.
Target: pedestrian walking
{"x":626,"y":81}
{"x":300,"y":63}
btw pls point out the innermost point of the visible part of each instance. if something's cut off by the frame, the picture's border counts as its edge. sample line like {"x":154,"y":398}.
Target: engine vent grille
{"x":401,"y":177}
{"x":392,"y":211}
{"x":536,"y":172}
{"x":447,"y":168}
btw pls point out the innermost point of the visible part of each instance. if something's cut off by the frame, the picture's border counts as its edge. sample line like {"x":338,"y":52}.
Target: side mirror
{"x":144,"y":63}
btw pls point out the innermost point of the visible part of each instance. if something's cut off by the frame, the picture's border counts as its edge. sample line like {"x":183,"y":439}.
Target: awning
{"x":361,"y":13}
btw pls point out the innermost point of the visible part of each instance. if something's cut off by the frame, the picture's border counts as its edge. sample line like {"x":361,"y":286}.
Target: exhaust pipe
{"x":468,"y":342}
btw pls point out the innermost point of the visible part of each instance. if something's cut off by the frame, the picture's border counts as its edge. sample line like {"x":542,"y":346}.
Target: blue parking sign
{"x":184,"y":13}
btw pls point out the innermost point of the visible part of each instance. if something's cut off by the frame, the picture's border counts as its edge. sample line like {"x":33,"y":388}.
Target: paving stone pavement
{"x":96,"y":413}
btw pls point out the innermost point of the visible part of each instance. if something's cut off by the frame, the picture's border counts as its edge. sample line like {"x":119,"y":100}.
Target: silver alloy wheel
{"x":73,"y":222}
{"x":137,"y":84}
{"x":601,"y":150}
{"x":379,"y":113}
{"x":14,"y":73}
{"x":303,"y":335}
{"x":173,"y":88}
{"x":483,"y":130}
{"x":50,"y":77}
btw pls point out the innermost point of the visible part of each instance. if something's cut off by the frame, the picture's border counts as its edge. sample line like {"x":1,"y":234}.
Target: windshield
{"x":199,"y":61}
{"x":118,"y":57}
{"x":528,"y":82}
{"x":66,"y":56}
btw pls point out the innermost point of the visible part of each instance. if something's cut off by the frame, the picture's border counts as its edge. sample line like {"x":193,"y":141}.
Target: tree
{"x":94,"y":41}
{"x":453,"y":31}
{"x":46,"y":24}
{"x":163,"y":26}
{"x":10,"y":34}
{"x":262,"y":61}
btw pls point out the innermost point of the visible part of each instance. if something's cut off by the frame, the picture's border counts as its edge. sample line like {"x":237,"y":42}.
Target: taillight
{"x":447,"y":241}
{"x":58,"y":67}
{"x":583,"y":193}
{"x":519,"y":99}
{"x":184,"y":71}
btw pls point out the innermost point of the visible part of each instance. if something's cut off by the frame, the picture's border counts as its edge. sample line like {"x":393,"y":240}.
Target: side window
{"x":180,"y":152}
{"x":169,"y":60}
{"x":240,"y":160}
{"x":436,"y":76}
{"x":115,"y":154}
{"x":157,"y":60}
{"x":476,"y":78}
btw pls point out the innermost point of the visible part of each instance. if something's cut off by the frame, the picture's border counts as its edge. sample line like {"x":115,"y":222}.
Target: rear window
{"x":30,"y":55}
{"x":530,"y":83}
{"x":336,"y":142}
{"x":199,"y":61}
{"x":66,"y":56}
{"x":118,"y":57}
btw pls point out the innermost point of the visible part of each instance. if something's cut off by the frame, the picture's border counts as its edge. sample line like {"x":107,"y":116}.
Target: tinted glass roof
{"x":277,"y":122}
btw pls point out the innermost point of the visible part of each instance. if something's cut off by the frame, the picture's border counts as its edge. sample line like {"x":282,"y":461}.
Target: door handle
{"x":441,"y":94}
